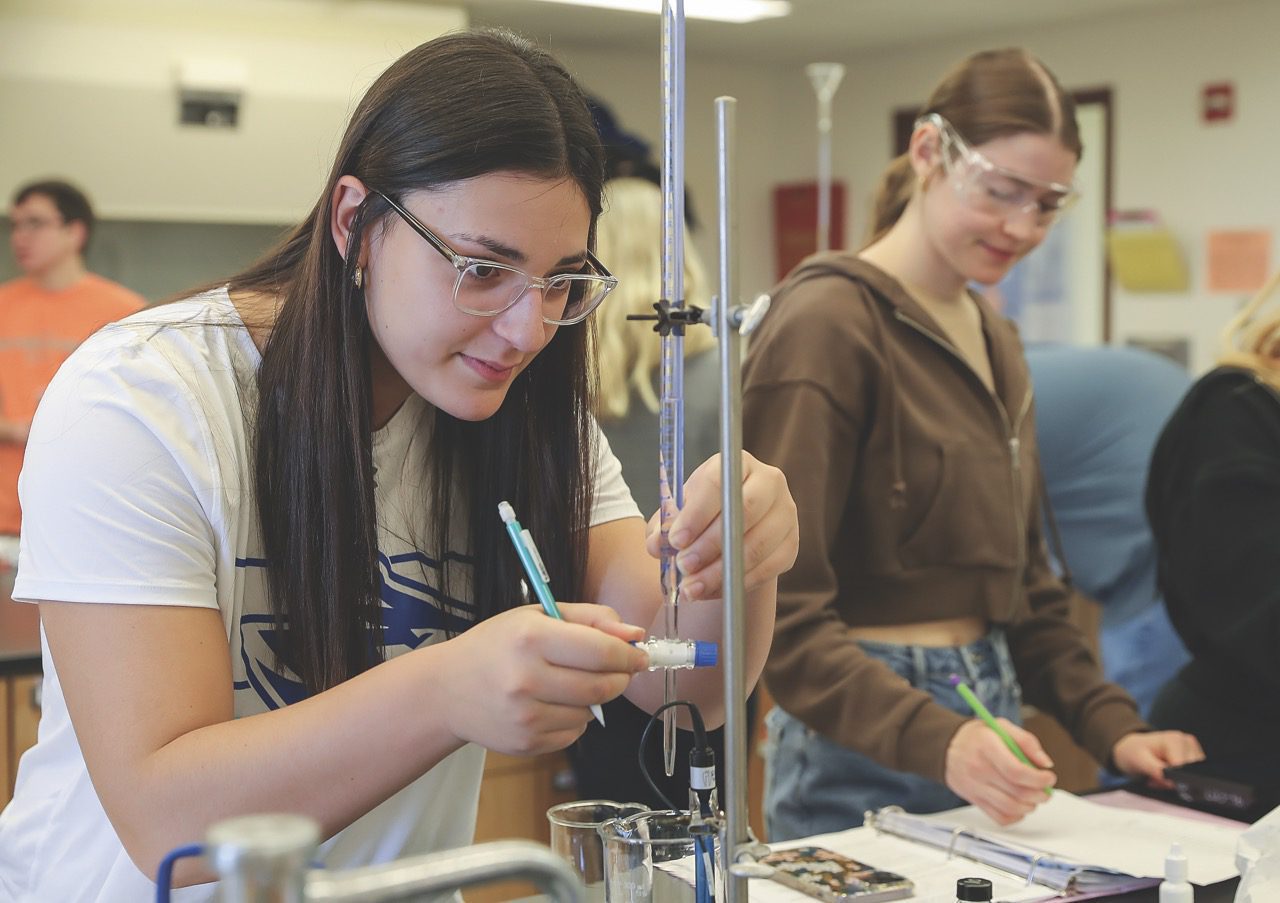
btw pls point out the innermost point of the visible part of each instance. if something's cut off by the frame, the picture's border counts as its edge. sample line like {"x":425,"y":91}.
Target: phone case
{"x":830,"y":876}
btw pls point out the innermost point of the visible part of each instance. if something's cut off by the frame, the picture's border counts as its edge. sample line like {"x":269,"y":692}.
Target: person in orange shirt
{"x":45,"y":314}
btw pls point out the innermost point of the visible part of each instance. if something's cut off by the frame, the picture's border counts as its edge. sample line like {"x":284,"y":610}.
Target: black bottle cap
{"x":978,"y":889}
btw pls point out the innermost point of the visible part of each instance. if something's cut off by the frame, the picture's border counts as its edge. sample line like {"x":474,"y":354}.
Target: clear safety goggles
{"x":486,"y":288}
{"x":992,"y":189}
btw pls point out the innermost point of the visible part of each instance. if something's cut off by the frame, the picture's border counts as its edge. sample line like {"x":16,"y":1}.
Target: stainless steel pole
{"x":262,"y":858}
{"x":413,"y":877}
{"x":737,"y":832}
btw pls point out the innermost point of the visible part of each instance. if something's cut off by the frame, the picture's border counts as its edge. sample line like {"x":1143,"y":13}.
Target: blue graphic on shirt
{"x":413,"y":612}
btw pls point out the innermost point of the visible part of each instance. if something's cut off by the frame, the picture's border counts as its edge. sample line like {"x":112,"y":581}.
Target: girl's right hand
{"x":982,"y":770}
{"x":521,"y":682}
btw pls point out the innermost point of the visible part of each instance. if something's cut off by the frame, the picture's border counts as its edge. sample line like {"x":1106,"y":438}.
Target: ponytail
{"x":893,"y":193}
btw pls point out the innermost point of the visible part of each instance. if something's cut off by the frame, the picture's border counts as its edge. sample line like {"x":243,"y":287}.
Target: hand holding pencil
{"x":996,"y":765}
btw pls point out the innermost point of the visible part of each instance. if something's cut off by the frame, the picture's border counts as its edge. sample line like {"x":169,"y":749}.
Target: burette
{"x":671,"y":414}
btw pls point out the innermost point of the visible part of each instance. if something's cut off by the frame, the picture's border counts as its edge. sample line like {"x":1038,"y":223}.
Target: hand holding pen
{"x":521,"y":682}
{"x":996,"y":765}
{"x":536,"y":571}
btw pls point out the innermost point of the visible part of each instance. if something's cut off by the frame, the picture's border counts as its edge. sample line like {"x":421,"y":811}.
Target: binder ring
{"x":873,"y":817}
{"x":1031,"y":869}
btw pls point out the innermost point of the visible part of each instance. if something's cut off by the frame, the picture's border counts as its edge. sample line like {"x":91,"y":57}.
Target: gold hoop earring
{"x":358,"y":277}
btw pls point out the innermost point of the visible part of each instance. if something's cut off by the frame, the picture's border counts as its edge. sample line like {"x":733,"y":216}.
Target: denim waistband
{"x":983,"y":658}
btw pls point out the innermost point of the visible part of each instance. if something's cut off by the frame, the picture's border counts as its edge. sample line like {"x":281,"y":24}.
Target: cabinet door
{"x":514,"y":798}
{"x":6,"y":744}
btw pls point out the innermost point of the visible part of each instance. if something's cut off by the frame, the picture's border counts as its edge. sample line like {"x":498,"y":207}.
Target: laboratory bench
{"x":514,"y":796}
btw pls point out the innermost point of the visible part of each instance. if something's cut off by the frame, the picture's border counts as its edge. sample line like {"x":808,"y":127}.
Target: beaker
{"x":575,"y":837}
{"x":634,"y":845}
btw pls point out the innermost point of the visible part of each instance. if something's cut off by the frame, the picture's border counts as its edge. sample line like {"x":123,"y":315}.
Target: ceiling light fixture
{"x":717,"y":10}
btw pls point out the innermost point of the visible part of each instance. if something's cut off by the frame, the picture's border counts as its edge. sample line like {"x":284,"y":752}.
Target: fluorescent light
{"x":719,"y":10}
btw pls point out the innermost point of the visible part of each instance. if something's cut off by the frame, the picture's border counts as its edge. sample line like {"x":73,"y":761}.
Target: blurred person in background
{"x":628,"y":353}
{"x":1213,"y":499}
{"x":1098,"y":413}
{"x":44,"y":315}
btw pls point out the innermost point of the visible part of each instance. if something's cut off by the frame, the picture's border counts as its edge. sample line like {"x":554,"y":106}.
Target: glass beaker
{"x":575,"y":837}
{"x":634,"y":845}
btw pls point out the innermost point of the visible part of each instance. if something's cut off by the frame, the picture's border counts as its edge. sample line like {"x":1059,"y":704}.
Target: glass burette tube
{"x":671,"y":412}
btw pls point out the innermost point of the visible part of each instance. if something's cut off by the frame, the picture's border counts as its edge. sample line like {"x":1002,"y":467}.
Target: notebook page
{"x":1129,"y":841}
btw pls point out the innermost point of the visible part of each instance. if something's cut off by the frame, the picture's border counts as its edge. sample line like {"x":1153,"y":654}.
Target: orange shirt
{"x":38,"y":331}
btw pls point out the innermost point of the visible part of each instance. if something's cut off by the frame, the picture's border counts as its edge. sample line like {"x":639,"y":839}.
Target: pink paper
{"x":1123,"y":799}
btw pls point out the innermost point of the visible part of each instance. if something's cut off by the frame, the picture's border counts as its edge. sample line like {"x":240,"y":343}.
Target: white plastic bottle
{"x":1175,"y":888}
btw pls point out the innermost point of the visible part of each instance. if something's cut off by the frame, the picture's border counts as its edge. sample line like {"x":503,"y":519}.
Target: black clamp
{"x":672,"y":319}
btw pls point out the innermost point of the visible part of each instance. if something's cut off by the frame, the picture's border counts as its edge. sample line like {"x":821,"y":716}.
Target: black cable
{"x":702,"y":759}
{"x":701,"y":756}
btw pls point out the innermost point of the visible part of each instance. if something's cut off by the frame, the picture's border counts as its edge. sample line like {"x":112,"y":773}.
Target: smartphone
{"x":835,"y":878}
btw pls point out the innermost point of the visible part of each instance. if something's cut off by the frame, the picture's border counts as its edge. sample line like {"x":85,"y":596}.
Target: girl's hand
{"x":771,"y":530}
{"x":1147,"y":755}
{"x":521,"y":682}
{"x":982,"y":770}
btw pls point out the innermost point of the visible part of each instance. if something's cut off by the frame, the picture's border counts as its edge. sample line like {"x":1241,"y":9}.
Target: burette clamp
{"x":742,"y":317}
{"x":672,"y":319}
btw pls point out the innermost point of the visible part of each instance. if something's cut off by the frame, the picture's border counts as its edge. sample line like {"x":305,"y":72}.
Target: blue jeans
{"x":1142,"y":654}
{"x":814,"y":785}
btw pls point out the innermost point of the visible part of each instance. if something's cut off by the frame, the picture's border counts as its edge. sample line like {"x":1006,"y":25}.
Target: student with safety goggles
{"x":898,"y":404}
{"x":993,"y":189}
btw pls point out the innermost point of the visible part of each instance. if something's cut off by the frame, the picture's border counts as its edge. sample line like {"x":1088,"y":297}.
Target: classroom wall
{"x":88,"y":88}
{"x":630,"y":84}
{"x":1197,"y":177}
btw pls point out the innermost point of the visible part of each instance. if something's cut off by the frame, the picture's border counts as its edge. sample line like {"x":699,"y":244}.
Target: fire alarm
{"x":1218,"y":102}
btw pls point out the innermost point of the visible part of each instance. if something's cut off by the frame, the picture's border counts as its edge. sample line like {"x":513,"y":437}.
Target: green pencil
{"x":982,"y":712}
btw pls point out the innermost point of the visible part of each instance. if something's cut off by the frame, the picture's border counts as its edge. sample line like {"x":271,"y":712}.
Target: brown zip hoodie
{"x":917,"y":500}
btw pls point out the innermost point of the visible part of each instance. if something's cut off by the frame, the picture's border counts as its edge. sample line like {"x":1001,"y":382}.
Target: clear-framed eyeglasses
{"x":32,"y":224}
{"x":486,"y":288}
{"x":992,"y":189}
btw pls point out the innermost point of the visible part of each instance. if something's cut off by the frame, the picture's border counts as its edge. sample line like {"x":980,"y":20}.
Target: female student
{"x":262,"y":523}
{"x":898,"y":405}
{"x":1213,"y":499}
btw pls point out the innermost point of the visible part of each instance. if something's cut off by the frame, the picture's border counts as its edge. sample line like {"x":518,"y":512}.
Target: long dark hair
{"x":987,"y":95}
{"x":457,"y":107}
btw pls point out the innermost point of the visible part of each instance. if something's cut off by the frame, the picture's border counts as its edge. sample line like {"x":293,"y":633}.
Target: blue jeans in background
{"x":814,"y":785}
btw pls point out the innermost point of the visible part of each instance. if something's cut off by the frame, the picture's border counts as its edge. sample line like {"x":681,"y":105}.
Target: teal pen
{"x":989,"y":720}
{"x":536,"y":571}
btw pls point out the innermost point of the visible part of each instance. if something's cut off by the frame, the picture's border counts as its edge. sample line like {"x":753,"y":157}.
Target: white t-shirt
{"x":137,"y":489}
